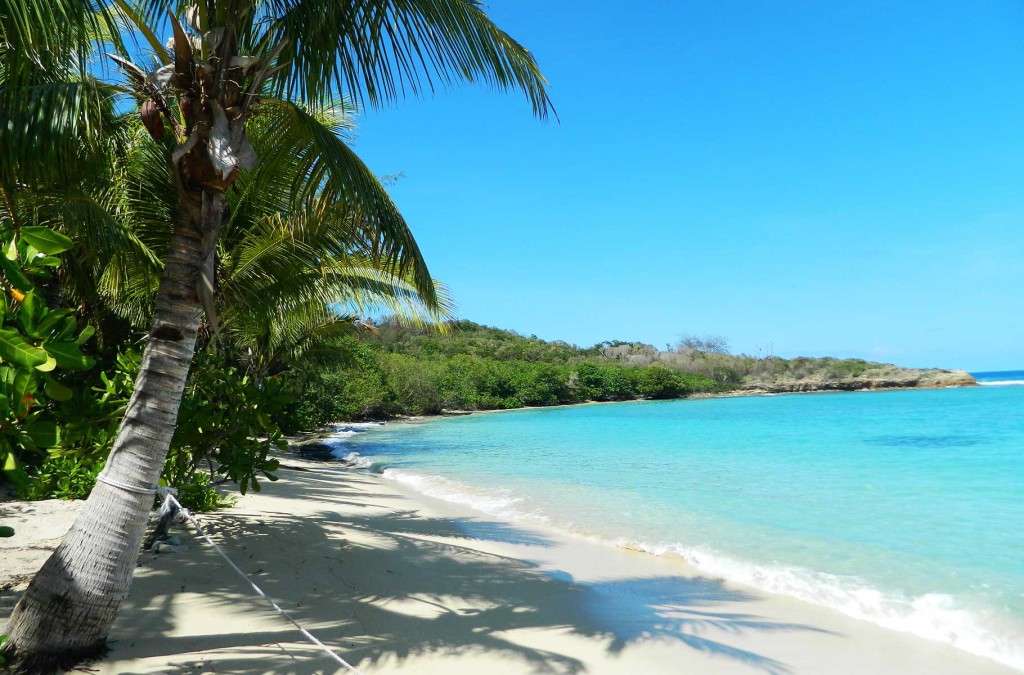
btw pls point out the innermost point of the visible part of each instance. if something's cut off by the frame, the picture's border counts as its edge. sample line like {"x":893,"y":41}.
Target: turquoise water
{"x":905,"y":508}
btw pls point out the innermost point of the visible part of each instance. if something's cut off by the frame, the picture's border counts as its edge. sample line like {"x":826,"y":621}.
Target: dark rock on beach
{"x":315,"y":451}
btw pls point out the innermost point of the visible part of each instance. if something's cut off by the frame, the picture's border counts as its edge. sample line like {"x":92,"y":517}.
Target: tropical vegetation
{"x":189,"y":160}
{"x":394,"y":369}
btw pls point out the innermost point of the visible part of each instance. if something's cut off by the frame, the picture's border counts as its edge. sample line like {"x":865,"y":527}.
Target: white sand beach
{"x":399,"y":583}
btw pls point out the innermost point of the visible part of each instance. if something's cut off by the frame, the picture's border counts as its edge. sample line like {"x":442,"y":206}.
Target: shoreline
{"x":737,"y":393}
{"x":400,"y":582}
{"x":678,"y":562}
{"x":925,"y":613}
{"x":860,"y":601}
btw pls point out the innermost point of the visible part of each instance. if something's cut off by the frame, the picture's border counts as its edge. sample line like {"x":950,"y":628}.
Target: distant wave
{"x":933,"y":616}
{"x":999,"y":378}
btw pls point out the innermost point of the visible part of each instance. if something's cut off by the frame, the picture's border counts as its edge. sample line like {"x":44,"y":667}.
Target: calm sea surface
{"x":905,"y":508}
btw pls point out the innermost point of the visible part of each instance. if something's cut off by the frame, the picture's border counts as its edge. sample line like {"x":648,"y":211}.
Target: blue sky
{"x":805,"y":178}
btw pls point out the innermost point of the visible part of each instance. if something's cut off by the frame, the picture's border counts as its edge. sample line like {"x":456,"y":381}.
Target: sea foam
{"x":932,"y":616}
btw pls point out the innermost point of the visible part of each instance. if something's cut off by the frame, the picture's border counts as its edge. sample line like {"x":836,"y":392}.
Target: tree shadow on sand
{"x":421,"y":589}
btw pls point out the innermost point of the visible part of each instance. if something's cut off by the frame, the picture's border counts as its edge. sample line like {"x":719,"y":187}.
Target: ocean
{"x":904,"y":508}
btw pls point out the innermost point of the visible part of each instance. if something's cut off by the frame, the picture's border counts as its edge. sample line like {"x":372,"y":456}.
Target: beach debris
{"x":170,"y":545}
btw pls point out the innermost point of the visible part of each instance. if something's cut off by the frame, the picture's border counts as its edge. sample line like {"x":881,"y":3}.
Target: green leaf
{"x":67,"y":331}
{"x":22,"y":380}
{"x":86,"y":333}
{"x":6,"y":531}
{"x":57,"y":391}
{"x":45,"y":240}
{"x":51,"y":319}
{"x":14,"y":474}
{"x":31,"y":309}
{"x":17,"y":350}
{"x":43,"y":434}
{"x":12,"y":271}
{"x":48,"y":366}
{"x":68,"y":355}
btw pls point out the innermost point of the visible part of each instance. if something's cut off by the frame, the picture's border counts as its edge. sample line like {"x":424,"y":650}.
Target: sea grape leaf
{"x":12,"y":271}
{"x":57,"y":391}
{"x":45,"y":240}
{"x":50,"y":321}
{"x":86,"y":333}
{"x":20,"y":391}
{"x":68,"y":355}
{"x":31,"y":310}
{"x":14,"y":474}
{"x":49,"y":365}
{"x":17,"y":350}
{"x":43,"y":434}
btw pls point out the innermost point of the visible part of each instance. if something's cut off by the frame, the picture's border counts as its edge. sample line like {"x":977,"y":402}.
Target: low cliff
{"x":891,"y":377}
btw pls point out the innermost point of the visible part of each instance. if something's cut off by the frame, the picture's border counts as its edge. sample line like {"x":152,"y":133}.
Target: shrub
{"x":63,"y":477}
{"x":198,"y":494}
{"x":35,"y":341}
{"x":226,"y":422}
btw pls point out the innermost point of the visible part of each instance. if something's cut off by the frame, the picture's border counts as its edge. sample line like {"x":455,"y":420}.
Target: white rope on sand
{"x":169,"y":498}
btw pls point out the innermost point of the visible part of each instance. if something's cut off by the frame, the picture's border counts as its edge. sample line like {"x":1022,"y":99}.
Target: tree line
{"x":398,"y":370}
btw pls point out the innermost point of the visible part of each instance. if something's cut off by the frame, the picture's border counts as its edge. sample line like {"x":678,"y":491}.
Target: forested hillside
{"x":396,"y":370}
{"x":392,"y":369}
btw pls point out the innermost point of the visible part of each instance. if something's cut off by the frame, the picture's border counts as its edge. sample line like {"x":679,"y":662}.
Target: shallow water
{"x":905,"y":508}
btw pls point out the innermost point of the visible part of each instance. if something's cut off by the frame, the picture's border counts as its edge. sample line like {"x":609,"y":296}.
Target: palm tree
{"x":227,"y":63}
{"x":292,"y":273}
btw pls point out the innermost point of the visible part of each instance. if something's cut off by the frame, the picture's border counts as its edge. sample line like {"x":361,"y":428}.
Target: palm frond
{"x":379,"y":51}
{"x":52,"y":129}
{"x":278,"y":265}
{"x":43,"y":32}
{"x":327,"y":176}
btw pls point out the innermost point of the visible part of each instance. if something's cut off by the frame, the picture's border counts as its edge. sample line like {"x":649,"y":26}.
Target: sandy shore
{"x":400,"y":583}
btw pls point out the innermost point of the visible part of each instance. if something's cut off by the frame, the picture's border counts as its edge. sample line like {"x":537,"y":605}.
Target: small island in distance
{"x":398,"y":370}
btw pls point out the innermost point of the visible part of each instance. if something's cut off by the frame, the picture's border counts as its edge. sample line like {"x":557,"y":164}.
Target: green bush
{"x":35,"y":341}
{"x":88,"y":421}
{"x":198,"y":494}
{"x":63,"y":477}
{"x":226,"y":422}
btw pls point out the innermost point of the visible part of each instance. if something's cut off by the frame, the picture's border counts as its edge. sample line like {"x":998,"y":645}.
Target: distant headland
{"x":397,"y":370}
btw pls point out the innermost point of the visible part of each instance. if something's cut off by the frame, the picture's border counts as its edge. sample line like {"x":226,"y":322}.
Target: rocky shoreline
{"x":906,"y":379}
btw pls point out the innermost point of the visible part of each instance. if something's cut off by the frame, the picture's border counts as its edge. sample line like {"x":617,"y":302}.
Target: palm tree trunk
{"x":70,"y":606}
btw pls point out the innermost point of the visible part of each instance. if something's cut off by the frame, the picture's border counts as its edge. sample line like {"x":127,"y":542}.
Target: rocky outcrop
{"x":908,"y":378}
